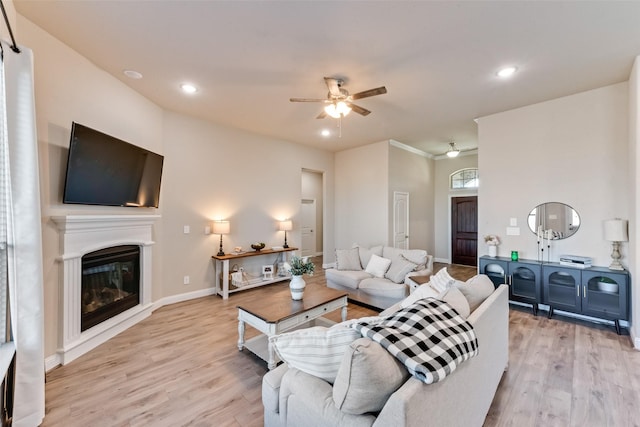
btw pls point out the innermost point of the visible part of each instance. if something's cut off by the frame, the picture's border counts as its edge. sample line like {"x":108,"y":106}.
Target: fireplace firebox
{"x":110,"y":283}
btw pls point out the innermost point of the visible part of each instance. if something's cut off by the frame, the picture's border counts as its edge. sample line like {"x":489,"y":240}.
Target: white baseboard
{"x":56,"y":359}
{"x":183,"y":297}
{"x":443,"y":260}
{"x":635,"y":339}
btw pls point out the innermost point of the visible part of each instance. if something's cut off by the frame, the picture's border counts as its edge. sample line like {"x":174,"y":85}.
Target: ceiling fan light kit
{"x":337,"y":109}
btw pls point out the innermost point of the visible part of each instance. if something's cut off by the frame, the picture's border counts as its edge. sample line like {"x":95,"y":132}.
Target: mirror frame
{"x":534,"y":220}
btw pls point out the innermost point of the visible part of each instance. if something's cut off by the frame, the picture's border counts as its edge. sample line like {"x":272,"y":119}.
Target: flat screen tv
{"x":103,"y":170}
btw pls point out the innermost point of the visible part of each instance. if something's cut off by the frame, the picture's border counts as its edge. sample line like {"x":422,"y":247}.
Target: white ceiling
{"x":437,"y":59}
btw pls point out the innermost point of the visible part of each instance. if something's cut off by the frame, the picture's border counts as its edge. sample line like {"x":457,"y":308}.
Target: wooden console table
{"x":222,"y":266}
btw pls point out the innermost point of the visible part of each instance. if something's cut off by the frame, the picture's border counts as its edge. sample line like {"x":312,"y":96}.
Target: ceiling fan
{"x":338,"y":102}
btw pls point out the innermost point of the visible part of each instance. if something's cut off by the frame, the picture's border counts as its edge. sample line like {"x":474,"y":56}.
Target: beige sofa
{"x":293,"y":398}
{"x":377,"y":292}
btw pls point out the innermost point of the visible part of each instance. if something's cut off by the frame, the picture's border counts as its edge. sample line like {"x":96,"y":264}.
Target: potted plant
{"x":298,"y":267}
{"x":492,"y":241}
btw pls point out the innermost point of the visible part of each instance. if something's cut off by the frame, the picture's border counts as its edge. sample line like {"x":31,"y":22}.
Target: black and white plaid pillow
{"x":429,"y":337}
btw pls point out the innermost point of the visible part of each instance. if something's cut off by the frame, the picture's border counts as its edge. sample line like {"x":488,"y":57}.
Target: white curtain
{"x":24,"y":236}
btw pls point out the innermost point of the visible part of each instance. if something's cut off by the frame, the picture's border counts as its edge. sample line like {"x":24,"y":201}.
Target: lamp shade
{"x":615,"y":230}
{"x":286,"y":225}
{"x":220,"y":227}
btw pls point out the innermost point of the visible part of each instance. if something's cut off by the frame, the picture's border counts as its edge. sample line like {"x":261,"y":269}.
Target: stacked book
{"x":575,"y":261}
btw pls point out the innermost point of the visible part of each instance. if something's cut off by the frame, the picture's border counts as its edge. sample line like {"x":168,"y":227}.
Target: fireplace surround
{"x":85,"y":234}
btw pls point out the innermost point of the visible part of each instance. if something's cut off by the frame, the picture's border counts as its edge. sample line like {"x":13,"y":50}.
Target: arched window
{"x":464,"y":178}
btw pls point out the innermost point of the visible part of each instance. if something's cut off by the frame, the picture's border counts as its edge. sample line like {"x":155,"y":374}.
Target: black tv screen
{"x":103,"y":170}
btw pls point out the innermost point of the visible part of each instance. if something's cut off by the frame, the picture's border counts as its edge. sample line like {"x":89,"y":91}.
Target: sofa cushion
{"x":417,"y":256}
{"x":348,"y":259}
{"x":317,"y":350}
{"x":454,"y":297}
{"x":399,"y":268}
{"x":365,"y":254}
{"x":383,"y":288}
{"x":441,"y":280}
{"x":367,"y":376}
{"x":348,"y":279}
{"x":476,"y":290}
{"x":422,"y":292}
{"x":377,"y":266}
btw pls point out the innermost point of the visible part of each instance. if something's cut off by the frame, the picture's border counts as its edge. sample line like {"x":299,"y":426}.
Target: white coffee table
{"x":279,"y":313}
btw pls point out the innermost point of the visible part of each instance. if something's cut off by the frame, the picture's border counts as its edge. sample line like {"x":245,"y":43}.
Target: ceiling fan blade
{"x":371,"y":92}
{"x":306,"y":100}
{"x":358,"y":109}
{"x":322,"y":115}
{"x":333,"y":85}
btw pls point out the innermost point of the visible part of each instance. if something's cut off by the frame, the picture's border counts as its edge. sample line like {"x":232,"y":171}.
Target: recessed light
{"x":188,"y":88}
{"x":325,"y":132}
{"x":132,"y":74}
{"x":507,"y":72}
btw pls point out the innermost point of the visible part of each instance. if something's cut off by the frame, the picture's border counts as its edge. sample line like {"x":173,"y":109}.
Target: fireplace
{"x":110,"y":283}
{"x":105,"y":279}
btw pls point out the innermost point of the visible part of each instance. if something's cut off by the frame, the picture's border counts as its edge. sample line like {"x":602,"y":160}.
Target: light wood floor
{"x":181,"y":367}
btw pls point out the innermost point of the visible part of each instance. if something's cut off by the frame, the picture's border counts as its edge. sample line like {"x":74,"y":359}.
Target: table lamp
{"x":615,"y":231}
{"x":285,"y":226}
{"x":220,"y":227}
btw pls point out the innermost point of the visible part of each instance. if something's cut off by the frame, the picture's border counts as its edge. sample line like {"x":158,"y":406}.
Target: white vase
{"x":493,"y":251}
{"x":296,"y":286}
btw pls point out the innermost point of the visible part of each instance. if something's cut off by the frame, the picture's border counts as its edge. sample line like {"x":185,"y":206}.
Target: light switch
{"x":207,"y":230}
{"x":513,"y":222}
{"x":513,"y":231}
{"x":186,"y":229}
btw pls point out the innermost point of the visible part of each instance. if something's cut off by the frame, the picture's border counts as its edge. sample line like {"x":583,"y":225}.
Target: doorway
{"x":464,"y":230}
{"x":311,"y":213}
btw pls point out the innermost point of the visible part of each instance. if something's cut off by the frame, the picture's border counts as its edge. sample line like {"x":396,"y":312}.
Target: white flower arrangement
{"x":492,"y":240}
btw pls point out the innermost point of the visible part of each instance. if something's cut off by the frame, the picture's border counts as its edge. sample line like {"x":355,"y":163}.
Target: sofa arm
{"x":271,"y":394}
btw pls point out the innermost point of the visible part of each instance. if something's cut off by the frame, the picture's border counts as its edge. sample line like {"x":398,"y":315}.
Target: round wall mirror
{"x":562,"y":219}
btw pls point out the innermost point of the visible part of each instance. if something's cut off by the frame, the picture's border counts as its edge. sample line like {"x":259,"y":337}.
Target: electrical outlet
{"x":186,"y":229}
{"x":186,"y":280}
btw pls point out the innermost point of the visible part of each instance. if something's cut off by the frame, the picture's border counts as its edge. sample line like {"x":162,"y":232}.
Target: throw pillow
{"x":476,"y":290}
{"x":377,"y":266}
{"x":365,"y":254}
{"x":399,"y":268}
{"x":348,"y":259}
{"x":422,"y":292}
{"x":368,"y":375}
{"x":317,"y":351}
{"x":455,"y":298}
{"x":441,"y":280}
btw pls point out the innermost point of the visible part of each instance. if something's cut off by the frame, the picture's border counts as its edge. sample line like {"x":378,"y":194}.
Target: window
{"x":464,"y":178}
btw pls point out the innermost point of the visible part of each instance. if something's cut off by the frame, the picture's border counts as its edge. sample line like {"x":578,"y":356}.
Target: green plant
{"x":299,"y":266}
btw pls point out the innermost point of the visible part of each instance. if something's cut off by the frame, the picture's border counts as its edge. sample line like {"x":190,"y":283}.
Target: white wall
{"x":214,"y":172}
{"x":572,"y":150}
{"x":634,"y":196}
{"x":442,"y":212}
{"x":70,"y":88}
{"x":361,"y":196}
{"x":413,"y":173}
{"x":210,"y":172}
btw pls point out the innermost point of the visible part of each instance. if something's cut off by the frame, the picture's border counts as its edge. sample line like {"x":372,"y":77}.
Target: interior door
{"x":400,"y":220}
{"x":464,"y":230}
{"x":308,"y":227}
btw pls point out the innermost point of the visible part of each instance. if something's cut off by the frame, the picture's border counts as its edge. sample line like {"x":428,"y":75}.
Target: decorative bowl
{"x":611,"y":288}
{"x":257,"y":246}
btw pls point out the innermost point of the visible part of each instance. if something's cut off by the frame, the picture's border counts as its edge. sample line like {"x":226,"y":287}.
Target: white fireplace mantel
{"x":79,"y":235}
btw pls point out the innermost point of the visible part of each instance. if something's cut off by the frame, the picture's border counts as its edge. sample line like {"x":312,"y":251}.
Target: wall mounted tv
{"x":103,"y":170}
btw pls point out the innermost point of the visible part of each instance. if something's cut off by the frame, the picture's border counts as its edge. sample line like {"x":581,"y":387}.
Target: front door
{"x":464,"y":230}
